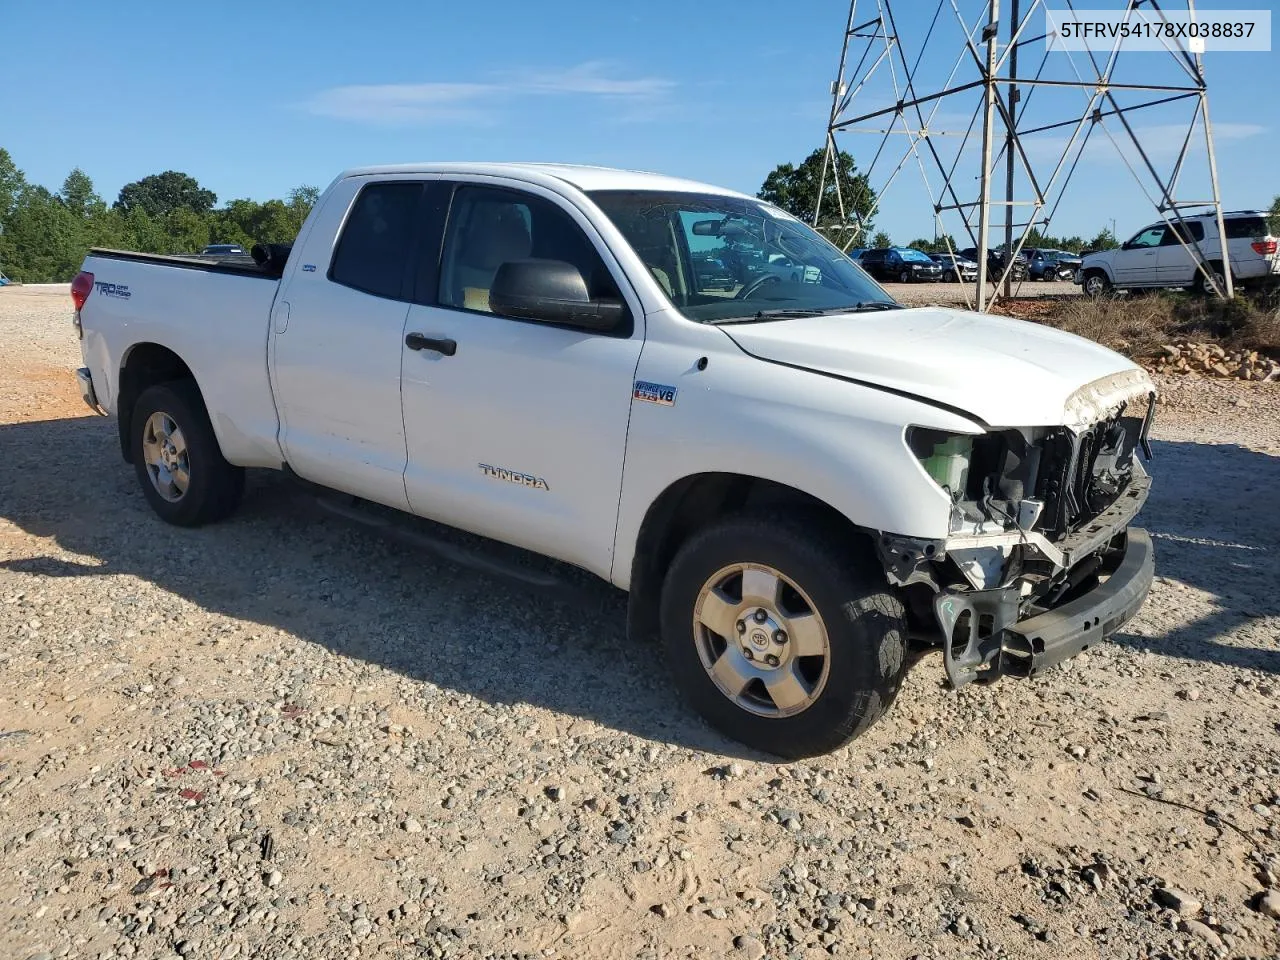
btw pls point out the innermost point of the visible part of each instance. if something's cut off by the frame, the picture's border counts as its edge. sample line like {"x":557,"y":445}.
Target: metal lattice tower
{"x":926,"y":84}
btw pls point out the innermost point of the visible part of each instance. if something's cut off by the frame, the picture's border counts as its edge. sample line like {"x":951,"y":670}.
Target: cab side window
{"x":1183,"y":231}
{"x":373,"y":250}
{"x":489,"y":227}
{"x":1150,"y":237}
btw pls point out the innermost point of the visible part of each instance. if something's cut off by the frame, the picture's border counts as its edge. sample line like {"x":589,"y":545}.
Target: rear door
{"x":1136,"y":264}
{"x":516,"y":429}
{"x":337,"y":334}
{"x":1177,"y":257}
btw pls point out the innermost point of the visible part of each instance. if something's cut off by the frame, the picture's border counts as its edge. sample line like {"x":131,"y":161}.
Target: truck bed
{"x":237,"y":264}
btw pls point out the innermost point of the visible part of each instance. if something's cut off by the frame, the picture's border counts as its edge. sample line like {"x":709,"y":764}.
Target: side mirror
{"x":551,"y":291}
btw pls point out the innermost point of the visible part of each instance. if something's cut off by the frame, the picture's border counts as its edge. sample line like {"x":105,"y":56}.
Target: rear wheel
{"x":1202,"y":284}
{"x":177,"y":458}
{"x":781,"y":635}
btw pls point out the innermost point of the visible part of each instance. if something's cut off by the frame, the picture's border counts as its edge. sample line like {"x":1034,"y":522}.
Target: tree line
{"x":44,"y":236}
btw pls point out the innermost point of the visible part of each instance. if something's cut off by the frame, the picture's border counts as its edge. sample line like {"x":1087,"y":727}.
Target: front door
{"x":516,"y":429}
{"x":1137,"y":263}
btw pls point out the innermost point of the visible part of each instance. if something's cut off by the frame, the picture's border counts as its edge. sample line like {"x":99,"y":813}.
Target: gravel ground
{"x":284,"y":737}
{"x":953,"y":294}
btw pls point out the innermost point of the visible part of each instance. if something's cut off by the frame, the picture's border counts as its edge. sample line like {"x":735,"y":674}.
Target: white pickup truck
{"x":799,"y":484}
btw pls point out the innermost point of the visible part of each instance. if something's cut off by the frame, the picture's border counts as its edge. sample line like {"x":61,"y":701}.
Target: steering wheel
{"x":746,"y":292}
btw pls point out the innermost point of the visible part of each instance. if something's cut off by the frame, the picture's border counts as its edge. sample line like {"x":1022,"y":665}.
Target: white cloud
{"x":402,"y":102}
{"x":480,"y":102}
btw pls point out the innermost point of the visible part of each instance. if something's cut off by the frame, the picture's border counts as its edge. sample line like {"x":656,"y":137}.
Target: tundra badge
{"x":513,"y":476}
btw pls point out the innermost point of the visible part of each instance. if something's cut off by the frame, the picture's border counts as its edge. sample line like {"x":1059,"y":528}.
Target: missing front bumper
{"x":984,"y":640}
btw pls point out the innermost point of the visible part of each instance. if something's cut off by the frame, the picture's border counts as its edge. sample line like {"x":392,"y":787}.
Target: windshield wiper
{"x":797,"y":313}
{"x":786,"y":313}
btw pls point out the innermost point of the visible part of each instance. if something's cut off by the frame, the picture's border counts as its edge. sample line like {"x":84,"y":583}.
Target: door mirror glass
{"x":550,"y":291}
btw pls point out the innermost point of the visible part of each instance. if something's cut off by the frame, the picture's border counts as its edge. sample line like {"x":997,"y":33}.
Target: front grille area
{"x":1082,"y":474}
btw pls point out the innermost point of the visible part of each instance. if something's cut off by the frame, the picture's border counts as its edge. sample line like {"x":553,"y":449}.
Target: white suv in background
{"x":1154,"y":256}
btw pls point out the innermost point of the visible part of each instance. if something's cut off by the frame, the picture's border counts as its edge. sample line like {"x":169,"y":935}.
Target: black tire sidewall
{"x":864,"y":623}
{"x":213,"y":481}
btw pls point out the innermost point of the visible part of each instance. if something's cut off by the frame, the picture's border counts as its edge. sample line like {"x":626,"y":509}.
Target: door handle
{"x":420,"y":341}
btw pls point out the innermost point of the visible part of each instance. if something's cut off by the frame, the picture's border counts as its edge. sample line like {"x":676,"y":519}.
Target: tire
{"x":213,"y":487}
{"x":904,"y":276}
{"x":1202,"y":286}
{"x":846,"y":690}
{"x":1095,"y":284}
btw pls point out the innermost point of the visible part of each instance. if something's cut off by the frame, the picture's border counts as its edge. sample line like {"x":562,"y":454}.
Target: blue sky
{"x":255,"y":99}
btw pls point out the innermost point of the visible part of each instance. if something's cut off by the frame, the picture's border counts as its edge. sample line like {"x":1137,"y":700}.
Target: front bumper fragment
{"x":991,"y":642}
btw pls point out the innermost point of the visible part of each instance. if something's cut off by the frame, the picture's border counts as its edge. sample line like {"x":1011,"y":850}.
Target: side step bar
{"x":548,"y":584}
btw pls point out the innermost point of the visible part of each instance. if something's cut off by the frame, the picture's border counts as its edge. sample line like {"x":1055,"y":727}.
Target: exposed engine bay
{"x":1039,"y":518}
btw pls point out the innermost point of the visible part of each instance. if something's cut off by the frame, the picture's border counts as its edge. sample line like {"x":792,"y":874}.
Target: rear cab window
{"x":373,"y":251}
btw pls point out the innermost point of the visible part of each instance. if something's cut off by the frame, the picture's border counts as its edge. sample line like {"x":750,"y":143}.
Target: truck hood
{"x":1004,"y":372}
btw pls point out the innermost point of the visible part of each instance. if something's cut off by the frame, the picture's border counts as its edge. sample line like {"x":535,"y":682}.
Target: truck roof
{"x":583,"y":177}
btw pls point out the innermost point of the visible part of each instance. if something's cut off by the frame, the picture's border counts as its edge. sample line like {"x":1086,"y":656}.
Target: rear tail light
{"x":1264,"y":247}
{"x":81,"y":287}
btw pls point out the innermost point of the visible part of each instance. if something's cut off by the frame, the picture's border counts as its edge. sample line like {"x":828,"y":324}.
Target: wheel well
{"x":692,"y":503}
{"x":146,"y":365}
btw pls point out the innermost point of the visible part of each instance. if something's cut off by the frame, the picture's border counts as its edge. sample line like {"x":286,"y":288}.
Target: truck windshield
{"x":724,"y":259}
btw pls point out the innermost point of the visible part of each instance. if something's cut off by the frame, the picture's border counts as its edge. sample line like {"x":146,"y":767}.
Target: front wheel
{"x":1096,"y":284}
{"x":782,"y":635}
{"x":176,"y":455}
{"x":904,"y":276}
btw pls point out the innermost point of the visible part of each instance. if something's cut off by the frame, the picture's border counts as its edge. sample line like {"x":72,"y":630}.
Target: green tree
{"x":881,"y":239}
{"x":1105,"y":240}
{"x":42,"y":239}
{"x":143,"y":233}
{"x":12,"y":183}
{"x":77,"y":193}
{"x":795,"y":189}
{"x":162,"y":193}
{"x":936,"y":245}
{"x":185,"y":231}
{"x":1273,"y":215}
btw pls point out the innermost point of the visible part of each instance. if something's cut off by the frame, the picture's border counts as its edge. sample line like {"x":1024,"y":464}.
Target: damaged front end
{"x":1040,"y":562}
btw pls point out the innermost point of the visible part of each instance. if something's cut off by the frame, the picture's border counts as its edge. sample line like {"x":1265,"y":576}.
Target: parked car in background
{"x":996,"y":259}
{"x":955,"y":268}
{"x":900,"y":264}
{"x":796,"y":484}
{"x":3,"y":280}
{"x":1164,"y":255}
{"x":223,"y":249}
{"x":712,"y":273}
{"x":786,"y":268}
{"x":1048,"y":264}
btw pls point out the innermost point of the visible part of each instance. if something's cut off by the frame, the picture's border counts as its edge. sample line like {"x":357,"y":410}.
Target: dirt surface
{"x":283,"y":737}
{"x":954,"y":294}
